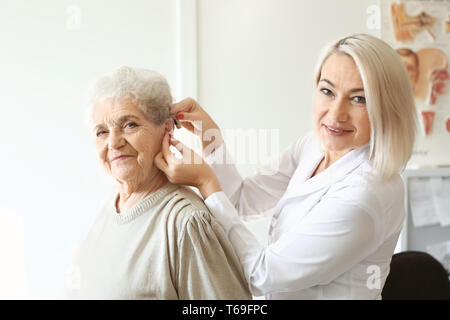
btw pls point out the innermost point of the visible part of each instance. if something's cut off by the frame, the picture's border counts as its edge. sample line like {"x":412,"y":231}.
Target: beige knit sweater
{"x":168,"y":246}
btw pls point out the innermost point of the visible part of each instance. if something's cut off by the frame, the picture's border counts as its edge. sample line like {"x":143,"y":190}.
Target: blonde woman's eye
{"x":359,"y":99}
{"x":326,"y":92}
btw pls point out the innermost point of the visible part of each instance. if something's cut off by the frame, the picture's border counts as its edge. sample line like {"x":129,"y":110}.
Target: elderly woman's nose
{"x":115,"y":140}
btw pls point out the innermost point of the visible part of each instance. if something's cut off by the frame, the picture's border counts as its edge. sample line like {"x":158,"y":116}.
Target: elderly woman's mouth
{"x":122,"y":157}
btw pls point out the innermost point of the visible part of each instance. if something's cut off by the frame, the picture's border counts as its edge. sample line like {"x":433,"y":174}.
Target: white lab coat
{"x":332,"y":236}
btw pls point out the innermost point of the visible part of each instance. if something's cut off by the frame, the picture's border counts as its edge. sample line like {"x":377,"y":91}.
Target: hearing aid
{"x":175,"y":120}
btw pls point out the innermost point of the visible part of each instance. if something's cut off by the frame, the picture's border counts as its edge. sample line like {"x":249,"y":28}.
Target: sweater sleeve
{"x":208,"y":266}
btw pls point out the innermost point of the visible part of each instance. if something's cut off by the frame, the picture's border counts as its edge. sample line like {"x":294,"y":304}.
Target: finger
{"x":180,"y":146}
{"x":190,"y":121}
{"x":188,"y":126}
{"x":184,"y":105}
{"x":160,"y":163}
{"x":188,"y":116}
{"x":189,"y":155}
{"x":165,"y":148}
{"x":173,"y":140}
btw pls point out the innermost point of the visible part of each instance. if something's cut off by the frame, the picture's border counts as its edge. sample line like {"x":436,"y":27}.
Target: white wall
{"x":256,"y":59}
{"x":50,"y":176}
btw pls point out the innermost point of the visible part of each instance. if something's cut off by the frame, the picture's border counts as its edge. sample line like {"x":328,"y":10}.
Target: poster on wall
{"x":419,"y":30}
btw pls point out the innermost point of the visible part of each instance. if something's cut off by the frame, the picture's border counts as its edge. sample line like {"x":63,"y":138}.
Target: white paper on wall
{"x":441,"y":252}
{"x":421,"y":201}
{"x":441,"y":196}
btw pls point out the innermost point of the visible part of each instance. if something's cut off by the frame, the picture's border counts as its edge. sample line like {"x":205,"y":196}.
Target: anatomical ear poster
{"x":419,"y":30}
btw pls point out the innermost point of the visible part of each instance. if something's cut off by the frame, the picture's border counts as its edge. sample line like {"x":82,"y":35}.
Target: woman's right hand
{"x":196,"y":120}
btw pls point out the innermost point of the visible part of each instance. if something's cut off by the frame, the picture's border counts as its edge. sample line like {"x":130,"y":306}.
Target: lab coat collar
{"x":301,"y":184}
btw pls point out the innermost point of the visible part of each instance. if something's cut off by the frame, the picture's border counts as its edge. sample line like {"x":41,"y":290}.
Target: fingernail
{"x":180,"y":116}
{"x":170,"y":136}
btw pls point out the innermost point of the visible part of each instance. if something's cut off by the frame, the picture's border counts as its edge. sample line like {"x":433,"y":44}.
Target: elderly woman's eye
{"x":100,"y":133}
{"x":130,"y":125}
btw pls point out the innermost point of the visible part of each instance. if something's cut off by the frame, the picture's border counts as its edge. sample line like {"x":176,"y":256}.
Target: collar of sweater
{"x":142,"y":206}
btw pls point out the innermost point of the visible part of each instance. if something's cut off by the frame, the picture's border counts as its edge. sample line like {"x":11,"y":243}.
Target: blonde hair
{"x":389,"y":100}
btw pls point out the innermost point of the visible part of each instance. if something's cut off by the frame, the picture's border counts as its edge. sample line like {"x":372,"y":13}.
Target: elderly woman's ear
{"x":169,"y":125}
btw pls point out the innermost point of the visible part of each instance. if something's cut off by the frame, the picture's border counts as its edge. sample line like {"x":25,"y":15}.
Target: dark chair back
{"x":416,"y":275}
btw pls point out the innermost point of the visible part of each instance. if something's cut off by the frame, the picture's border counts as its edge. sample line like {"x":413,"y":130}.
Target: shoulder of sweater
{"x":190,"y":198}
{"x":188,"y":206}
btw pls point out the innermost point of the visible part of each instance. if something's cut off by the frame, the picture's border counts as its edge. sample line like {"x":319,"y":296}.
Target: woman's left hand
{"x":191,"y":170}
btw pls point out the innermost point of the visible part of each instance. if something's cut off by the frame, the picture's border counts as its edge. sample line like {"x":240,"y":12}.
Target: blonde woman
{"x":337,"y":192}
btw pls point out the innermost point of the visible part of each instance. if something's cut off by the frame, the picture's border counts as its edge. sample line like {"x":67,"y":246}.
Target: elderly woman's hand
{"x":191,"y":170}
{"x":196,"y":120}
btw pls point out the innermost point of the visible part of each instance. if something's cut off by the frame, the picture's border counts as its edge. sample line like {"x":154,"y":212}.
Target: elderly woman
{"x":337,"y":193}
{"x":151,"y":239}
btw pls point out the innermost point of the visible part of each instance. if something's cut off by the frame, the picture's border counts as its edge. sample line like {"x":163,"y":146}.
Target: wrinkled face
{"x":126,"y":140}
{"x":341,"y":120}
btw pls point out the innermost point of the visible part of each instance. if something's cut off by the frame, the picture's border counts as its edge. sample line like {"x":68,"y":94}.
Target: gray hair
{"x":148,"y":88}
